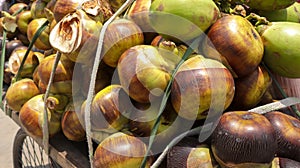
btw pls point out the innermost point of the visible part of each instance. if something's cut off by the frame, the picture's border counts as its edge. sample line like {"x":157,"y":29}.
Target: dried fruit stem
{"x":259,"y":20}
{"x":57,"y":102}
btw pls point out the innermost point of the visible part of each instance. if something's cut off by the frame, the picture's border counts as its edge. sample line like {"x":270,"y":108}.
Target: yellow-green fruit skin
{"x":107,"y":110}
{"x":31,"y":117}
{"x":120,"y":150}
{"x":20,"y":92}
{"x":42,"y":41}
{"x":121,"y":34}
{"x":23,"y":20}
{"x":281,"y":45}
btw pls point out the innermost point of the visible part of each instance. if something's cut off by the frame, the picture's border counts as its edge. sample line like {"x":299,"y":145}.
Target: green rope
{"x":3,"y":60}
{"x":19,"y":11}
{"x":188,"y":52}
{"x":2,"y":66}
{"x":35,"y":37}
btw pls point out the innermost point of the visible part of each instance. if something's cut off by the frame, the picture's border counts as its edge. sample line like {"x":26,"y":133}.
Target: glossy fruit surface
{"x":250,"y":89}
{"x":145,"y":72}
{"x":235,"y":42}
{"x":31,"y":117}
{"x":62,"y":81}
{"x":139,"y":13}
{"x":183,"y":19}
{"x":42,"y":41}
{"x":108,"y":111}
{"x":20,"y":92}
{"x":71,"y":126}
{"x":281,"y":47}
{"x":142,"y":120}
{"x":37,"y":9}
{"x":266,"y":5}
{"x":289,"y":14}
{"x":287,"y":134}
{"x":103,"y":79}
{"x":23,"y":19}
{"x":121,"y":34}
{"x":185,"y":157}
{"x":197,"y":83}
{"x":17,"y":6}
{"x":244,"y":139}
{"x":143,"y":116}
{"x":11,"y":46}
{"x":287,"y":163}
{"x":120,"y":150}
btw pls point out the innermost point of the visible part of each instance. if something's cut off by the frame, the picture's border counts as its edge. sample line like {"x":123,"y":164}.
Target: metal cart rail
{"x":62,"y":152}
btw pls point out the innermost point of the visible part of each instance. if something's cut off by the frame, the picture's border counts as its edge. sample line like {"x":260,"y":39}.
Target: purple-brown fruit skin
{"x":244,"y":137}
{"x":71,"y":125}
{"x":234,"y":41}
{"x":196,"y":85}
{"x":287,"y":133}
{"x":249,"y":90}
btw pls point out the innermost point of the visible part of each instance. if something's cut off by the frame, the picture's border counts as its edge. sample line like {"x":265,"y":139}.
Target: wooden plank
{"x":66,"y":153}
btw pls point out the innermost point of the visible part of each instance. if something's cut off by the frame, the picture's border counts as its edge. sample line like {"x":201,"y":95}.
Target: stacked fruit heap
{"x":167,"y":67}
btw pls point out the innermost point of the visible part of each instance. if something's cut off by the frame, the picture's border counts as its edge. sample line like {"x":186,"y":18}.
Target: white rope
{"x":290,"y":101}
{"x":45,"y":126}
{"x":94,"y":75}
{"x":177,"y":139}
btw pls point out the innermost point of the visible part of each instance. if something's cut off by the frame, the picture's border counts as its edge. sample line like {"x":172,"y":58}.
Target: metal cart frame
{"x":62,"y":152}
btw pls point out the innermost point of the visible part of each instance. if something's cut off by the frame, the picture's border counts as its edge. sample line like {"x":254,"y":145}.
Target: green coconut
{"x":281,"y":47}
{"x":265,"y":5}
{"x":183,"y":19}
{"x":289,"y":14}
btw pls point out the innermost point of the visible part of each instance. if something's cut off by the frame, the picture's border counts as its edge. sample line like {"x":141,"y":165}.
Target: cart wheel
{"x":28,"y":153}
